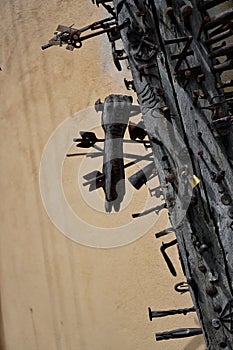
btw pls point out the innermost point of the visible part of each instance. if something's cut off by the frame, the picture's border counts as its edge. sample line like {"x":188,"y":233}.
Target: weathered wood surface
{"x":57,"y":294}
{"x":186,"y":146}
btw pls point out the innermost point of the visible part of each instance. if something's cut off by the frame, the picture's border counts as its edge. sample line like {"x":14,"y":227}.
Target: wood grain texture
{"x":55,"y":293}
{"x":207,"y":221}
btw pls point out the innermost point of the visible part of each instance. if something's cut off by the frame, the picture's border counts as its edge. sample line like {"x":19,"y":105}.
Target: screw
{"x":226,"y":199}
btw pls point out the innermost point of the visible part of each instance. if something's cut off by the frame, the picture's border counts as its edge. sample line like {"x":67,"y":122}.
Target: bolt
{"x":223,"y":345}
{"x":217,"y":177}
{"x":206,"y":19}
{"x":226,"y":199}
{"x":200,"y":78}
{"x":202,"y":268}
{"x":211,"y":291}
{"x":221,"y":188}
{"x":170,"y":11}
{"x":217,"y":308}
{"x":186,"y":12}
{"x":193,"y":200}
{"x":170,"y":178}
{"x":203,"y":248}
{"x":215,"y":323}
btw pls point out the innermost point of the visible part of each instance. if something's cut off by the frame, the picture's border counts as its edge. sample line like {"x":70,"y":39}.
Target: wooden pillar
{"x":183,"y":108}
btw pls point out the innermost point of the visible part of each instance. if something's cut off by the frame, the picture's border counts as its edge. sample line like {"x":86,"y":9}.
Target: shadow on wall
{"x":194,"y":343}
{"x":2,"y":340}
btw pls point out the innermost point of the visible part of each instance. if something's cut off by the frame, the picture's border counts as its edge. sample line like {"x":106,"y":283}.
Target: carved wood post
{"x":188,"y":116}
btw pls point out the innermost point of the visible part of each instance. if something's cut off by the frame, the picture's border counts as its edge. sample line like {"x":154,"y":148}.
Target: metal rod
{"x":224,"y":17}
{"x":164,"y":313}
{"x":141,"y":177}
{"x":164,"y":232}
{"x":183,"y":54}
{"x":166,"y":257}
{"x":219,"y":37}
{"x":224,"y":84}
{"x":223,"y":51}
{"x":176,"y":40}
{"x":177,"y":55}
{"x":206,"y":5}
{"x":222,"y":28}
{"x":227,"y":65}
{"x":178,"y":333}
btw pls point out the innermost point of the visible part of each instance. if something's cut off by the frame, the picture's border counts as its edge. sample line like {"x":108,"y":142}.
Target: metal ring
{"x":181,"y":287}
